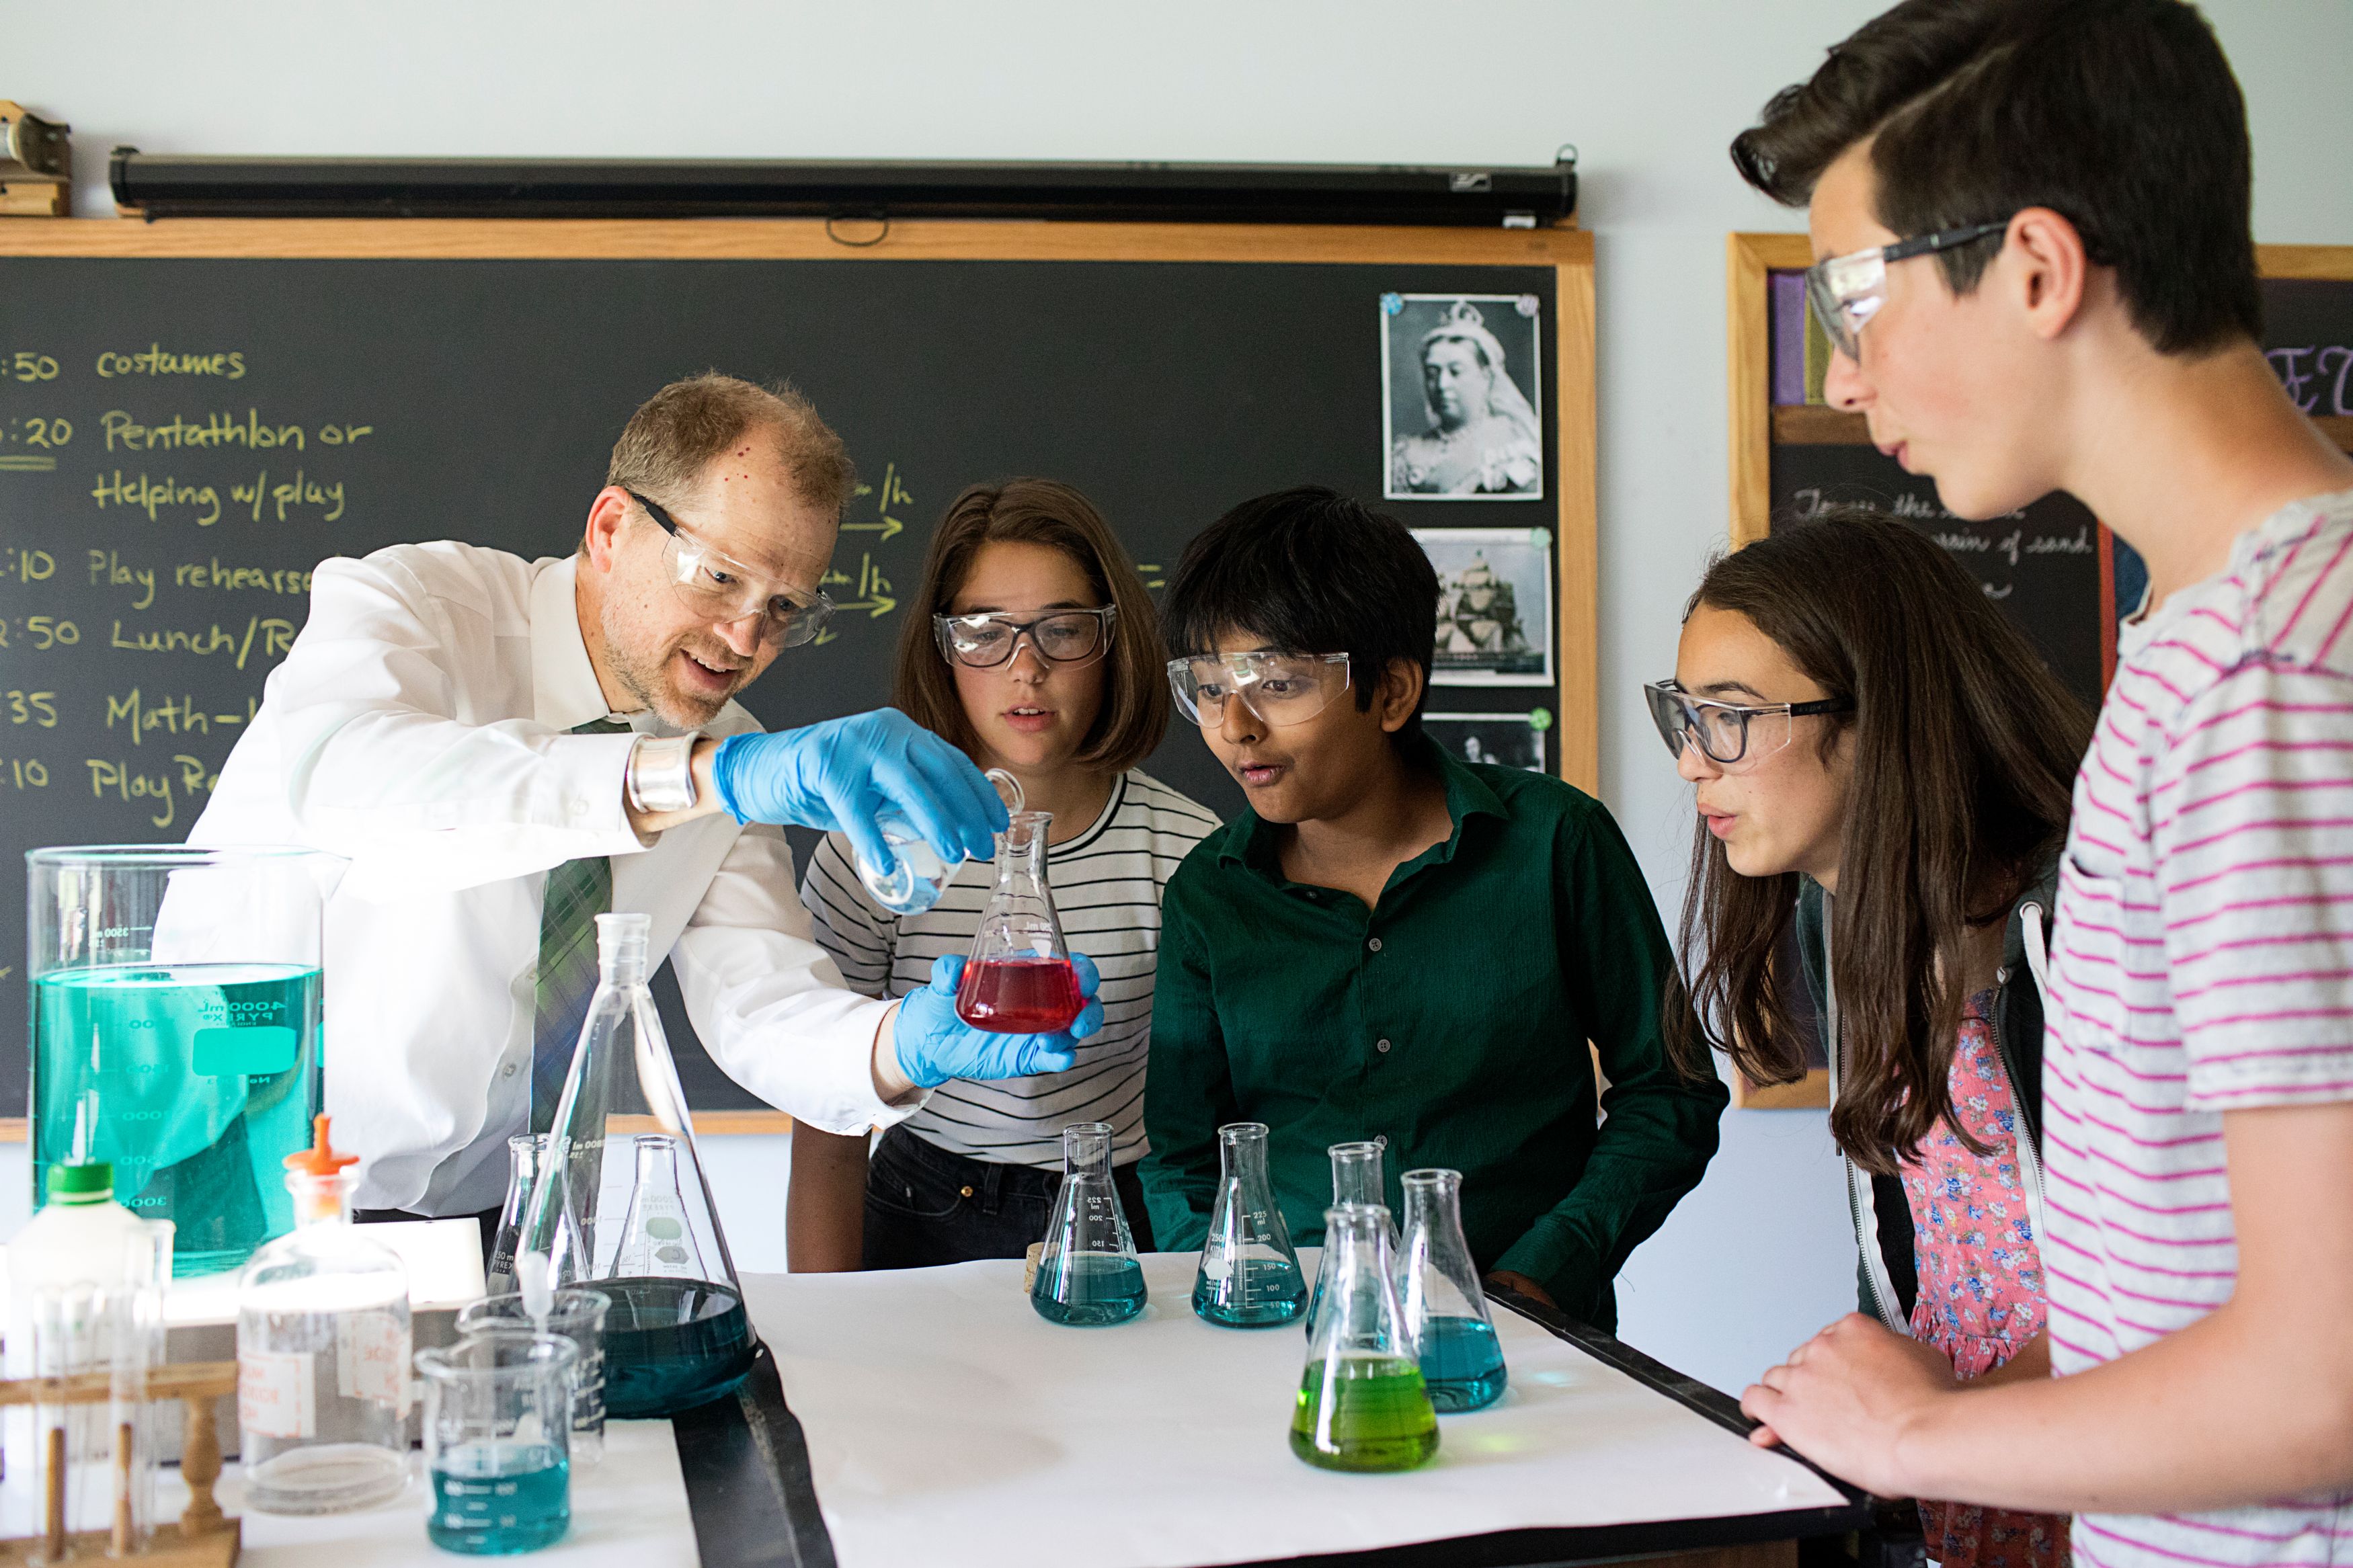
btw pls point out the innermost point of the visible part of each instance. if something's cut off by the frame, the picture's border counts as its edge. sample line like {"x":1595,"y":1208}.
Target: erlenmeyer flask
{"x":1088,"y":1274}
{"x":678,"y":1335}
{"x":656,"y":1238}
{"x":916,"y":875}
{"x":1356,"y":1179}
{"x":527,"y":1159}
{"x":1018,"y":980}
{"x":1445,"y":1310}
{"x":1250,"y":1275}
{"x":1362,"y":1405}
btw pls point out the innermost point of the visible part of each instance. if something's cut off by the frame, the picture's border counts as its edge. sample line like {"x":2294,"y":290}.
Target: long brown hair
{"x":1134,"y":712}
{"x":1965,"y":754}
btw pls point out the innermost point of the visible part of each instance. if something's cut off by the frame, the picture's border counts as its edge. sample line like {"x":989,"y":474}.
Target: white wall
{"x":1650,"y":92}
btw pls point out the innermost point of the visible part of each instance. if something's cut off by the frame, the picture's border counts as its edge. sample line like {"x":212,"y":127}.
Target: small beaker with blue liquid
{"x":916,"y":877}
{"x":1087,"y":1273}
{"x":1445,"y":1309}
{"x":498,"y":1432}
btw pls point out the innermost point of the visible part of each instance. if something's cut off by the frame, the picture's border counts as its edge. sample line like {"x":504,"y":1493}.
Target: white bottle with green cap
{"x":80,"y":1236}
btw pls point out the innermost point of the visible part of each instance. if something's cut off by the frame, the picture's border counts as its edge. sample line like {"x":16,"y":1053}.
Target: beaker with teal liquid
{"x":175,"y":1031}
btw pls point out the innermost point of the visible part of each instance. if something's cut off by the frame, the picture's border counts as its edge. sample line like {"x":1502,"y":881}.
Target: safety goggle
{"x":718,"y":586}
{"x":1279,"y":688}
{"x":1847,"y":291}
{"x":1061,"y":636}
{"x":1729,"y":734}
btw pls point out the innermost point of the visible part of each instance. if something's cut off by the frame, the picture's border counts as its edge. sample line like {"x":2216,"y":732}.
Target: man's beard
{"x":645,"y":681}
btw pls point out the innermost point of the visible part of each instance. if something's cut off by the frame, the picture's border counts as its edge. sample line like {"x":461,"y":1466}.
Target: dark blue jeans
{"x":925,"y":1207}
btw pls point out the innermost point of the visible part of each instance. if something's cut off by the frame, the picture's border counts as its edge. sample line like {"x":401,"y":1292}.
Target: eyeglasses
{"x":715,"y":584}
{"x":1847,"y":291}
{"x":987,"y":640}
{"x":1279,"y":688}
{"x":1727,"y":734}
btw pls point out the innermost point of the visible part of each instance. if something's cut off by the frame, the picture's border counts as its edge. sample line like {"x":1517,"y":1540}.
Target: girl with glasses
{"x":1883,"y":768}
{"x":1032,"y":645}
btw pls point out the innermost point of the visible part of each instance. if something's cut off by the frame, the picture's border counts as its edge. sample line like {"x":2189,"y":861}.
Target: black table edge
{"x":748,"y":1484}
{"x":753,"y":1498}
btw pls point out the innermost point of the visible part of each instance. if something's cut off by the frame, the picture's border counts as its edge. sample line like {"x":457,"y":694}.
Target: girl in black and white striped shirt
{"x":1034,"y":647}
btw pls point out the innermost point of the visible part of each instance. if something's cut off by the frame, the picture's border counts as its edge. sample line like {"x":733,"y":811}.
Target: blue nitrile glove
{"x":840,"y":775}
{"x":936,"y":1046}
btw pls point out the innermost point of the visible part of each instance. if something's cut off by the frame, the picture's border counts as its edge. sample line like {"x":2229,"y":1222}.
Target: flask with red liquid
{"x":1018,"y":980}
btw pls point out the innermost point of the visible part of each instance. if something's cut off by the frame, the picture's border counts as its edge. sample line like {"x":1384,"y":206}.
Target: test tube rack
{"x":203,"y":1536}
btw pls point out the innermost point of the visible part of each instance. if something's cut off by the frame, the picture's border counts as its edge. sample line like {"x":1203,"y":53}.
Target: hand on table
{"x":936,"y":1046}
{"x":839,"y":775}
{"x":1521,"y":1285}
{"x":1847,"y":1399}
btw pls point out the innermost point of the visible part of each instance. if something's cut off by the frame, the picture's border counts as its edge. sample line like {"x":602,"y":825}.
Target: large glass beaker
{"x":176,"y":1000}
{"x":622,"y":1172}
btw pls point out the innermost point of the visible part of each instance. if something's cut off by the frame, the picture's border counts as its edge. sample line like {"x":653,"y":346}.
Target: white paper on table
{"x":947,"y":1422}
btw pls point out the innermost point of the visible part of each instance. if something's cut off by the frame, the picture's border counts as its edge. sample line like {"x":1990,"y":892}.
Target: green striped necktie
{"x":577,"y":892}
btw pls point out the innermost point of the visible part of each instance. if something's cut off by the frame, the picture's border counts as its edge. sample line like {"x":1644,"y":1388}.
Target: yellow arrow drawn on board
{"x":889,"y":528}
{"x":881,"y":604}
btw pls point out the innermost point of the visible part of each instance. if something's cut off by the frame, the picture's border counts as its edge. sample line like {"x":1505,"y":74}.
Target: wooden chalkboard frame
{"x":1757,"y":427}
{"x":1567,"y":251}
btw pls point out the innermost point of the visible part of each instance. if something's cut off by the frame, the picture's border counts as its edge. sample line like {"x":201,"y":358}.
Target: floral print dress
{"x":1981,"y":1295}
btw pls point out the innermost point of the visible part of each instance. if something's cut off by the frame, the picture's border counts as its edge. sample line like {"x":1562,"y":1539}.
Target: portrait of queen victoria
{"x":1480,"y":435}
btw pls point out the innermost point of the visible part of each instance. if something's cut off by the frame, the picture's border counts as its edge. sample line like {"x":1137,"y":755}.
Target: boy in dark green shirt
{"x":1393,"y":943}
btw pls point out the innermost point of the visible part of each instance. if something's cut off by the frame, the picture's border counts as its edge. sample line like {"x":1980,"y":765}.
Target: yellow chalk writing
{"x":152,"y":496}
{"x":153,"y":360}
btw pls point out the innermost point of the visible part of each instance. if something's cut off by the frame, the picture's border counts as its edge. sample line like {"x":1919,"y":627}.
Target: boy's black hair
{"x":1310,"y":571}
{"x":2120,"y":115}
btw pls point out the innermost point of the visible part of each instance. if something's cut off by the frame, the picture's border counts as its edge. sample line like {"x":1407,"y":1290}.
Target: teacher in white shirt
{"x":504,"y":748}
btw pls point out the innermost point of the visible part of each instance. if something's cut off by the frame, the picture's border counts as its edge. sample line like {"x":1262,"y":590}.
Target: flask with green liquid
{"x":1362,"y":1404}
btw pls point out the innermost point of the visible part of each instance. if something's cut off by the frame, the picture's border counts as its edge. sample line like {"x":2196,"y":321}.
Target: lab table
{"x":931,"y":1417}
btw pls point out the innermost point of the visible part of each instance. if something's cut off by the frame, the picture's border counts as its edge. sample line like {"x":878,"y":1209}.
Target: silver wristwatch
{"x":660,"y":777}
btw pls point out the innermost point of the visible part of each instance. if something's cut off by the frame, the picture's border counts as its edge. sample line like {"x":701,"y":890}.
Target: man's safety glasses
{"x":1728,"y":734}
{"x":1061,"y":636}
{"x":1279,"y":688}
{"x":717,"y":585}
{"x":1847,"y":291}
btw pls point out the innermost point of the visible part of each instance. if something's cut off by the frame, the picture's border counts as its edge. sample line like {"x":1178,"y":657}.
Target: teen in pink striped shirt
{"x":2083,"y":314}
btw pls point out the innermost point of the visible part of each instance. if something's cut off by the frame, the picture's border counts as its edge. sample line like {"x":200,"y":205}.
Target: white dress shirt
{"x":418,"y":727}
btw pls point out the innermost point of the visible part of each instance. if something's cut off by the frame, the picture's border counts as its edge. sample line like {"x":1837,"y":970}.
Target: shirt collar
{"x":564,"y":692}
{"x":1252,"y":843}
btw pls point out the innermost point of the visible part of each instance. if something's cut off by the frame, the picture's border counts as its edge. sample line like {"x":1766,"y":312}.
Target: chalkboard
{"x":192,"y":415}
{"x":2063,"y":577}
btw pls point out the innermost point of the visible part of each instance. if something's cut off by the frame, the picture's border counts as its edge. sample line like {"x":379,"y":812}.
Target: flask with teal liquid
{"x":1445,"y":1309}
{"x":1088,"y":1275}
{"x":1250,"y":1275}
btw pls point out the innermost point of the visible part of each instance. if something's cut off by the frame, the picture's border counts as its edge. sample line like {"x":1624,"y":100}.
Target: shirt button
{"x":1382,"y":1047}
{"x":1374,"y":944}
{"x":507,"y":1071}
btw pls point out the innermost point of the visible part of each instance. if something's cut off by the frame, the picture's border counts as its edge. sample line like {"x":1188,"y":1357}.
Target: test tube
{"x":65,"y":1320}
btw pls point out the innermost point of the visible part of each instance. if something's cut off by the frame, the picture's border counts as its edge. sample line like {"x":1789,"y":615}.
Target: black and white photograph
{"x":1462,"y":372}
{"x":1494,"y":605}
{"x":1507,"y":740}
